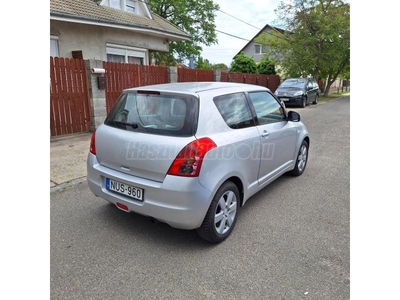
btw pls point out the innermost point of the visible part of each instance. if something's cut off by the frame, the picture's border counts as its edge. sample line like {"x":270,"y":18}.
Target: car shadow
{"x":144,"y":229}
{"x":139,"y":228}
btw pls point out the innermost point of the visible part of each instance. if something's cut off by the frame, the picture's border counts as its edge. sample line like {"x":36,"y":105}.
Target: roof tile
{"x":89,"y":9}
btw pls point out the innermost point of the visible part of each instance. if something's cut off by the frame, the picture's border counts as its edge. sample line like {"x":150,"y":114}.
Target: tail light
{"x":188,"y":162}
{"x":93,"y":144}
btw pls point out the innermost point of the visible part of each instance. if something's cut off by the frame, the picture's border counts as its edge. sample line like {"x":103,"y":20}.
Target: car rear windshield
{"x":155,"y":113}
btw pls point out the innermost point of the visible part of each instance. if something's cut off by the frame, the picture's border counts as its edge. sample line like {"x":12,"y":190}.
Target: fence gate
{"x":121,"y":76}
{"x":69,"y":97}
{"x":187,"y":75}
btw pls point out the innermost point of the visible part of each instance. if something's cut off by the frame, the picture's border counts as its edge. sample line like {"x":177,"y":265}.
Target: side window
{"x":268,"y":110}
{"x":234,"y":110}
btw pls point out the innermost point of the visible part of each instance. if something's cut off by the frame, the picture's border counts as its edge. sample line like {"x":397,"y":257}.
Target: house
{"x":109,"y":30}
{"x":257,"y":51}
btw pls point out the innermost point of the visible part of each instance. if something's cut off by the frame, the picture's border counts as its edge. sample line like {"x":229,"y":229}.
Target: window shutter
{"x":54,"y":48}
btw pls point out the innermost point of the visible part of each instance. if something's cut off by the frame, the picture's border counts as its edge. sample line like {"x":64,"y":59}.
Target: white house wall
{"x":92,"y":40}
{"x":250,"y":52}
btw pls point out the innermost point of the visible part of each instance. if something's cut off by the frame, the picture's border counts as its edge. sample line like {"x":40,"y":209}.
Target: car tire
{"x":304,"y":101}
{"x":316,"y":100}
{"x":221,"y":215}
{"x":301,"y":160}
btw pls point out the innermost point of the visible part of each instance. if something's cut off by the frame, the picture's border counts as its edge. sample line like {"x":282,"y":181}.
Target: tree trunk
{"x":328,"y":86}
{"x":333,"y":77}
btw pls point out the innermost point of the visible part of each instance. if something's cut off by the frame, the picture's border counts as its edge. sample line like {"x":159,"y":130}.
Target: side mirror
{"x":293,"y":116}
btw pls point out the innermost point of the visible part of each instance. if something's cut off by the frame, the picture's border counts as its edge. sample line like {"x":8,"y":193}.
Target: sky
{"x":255,"y":12}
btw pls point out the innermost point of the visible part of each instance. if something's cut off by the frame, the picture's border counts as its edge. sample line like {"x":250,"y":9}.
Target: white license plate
{"x":285,"y":99}
{"x":124,"y":189}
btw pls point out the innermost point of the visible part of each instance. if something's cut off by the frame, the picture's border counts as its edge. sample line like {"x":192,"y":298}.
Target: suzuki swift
{"x":192,"y":154}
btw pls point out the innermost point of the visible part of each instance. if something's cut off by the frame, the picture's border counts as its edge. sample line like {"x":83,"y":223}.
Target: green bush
{"x":243,"y":64}
{"x":266,"y":66}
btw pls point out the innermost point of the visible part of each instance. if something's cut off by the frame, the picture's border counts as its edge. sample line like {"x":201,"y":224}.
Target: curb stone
{"x":68,"y":184}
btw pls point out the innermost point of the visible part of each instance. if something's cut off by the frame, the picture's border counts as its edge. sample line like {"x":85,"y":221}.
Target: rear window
{"x":170,"y":115}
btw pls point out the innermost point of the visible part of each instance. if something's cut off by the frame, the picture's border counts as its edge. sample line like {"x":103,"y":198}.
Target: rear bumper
{"x":178,"y":201}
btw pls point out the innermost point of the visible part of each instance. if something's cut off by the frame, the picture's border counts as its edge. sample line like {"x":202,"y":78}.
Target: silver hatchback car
{"x":191,"y":154}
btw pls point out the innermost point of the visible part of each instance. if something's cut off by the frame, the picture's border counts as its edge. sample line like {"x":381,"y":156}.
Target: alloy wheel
{"x":302,"y":158}
{"x":225,"y":212}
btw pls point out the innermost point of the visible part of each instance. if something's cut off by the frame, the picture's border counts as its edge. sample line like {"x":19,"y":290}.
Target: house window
{"x":126,"y":5}
{"x":115,"y":3}
{"x":54,"y":46}
{"x":123,"y":54}
{"x":135,"y":60}
{"x":259,"y":49}
{"x":130,"y":6}
{"x":115,"y":58}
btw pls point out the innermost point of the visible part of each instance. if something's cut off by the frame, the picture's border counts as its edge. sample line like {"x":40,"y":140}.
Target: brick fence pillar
{"x":217,"y":75}
{"x":97,"y":96}
{"x":172,"y":74}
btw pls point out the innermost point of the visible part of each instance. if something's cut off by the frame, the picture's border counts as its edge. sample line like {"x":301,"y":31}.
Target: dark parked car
{"x":298,"y":91}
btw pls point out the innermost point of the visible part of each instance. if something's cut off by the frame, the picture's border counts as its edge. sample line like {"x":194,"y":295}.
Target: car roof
{"x":197,"y":87}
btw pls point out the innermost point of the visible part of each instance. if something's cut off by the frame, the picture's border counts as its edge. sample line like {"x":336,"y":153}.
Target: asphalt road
{"x":291,"y":241}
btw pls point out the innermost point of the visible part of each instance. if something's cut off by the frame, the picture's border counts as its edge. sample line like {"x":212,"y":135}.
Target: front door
{"x":278,"y":137}
{"x":311,"y":92}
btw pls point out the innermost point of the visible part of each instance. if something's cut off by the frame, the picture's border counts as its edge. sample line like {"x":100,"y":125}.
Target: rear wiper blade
{"x":133,"y":125}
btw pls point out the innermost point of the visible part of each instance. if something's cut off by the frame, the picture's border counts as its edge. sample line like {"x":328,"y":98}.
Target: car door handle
{"x":265,"y":133}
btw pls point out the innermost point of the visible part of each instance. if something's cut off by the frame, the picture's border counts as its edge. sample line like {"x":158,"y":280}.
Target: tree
{"x":220,"y":66}
{"x":195,"y":17}
{"x":243,"y":64}
{"x":317,"y":41}
{"x":266,"y":66}
{"x":204,"y":64}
